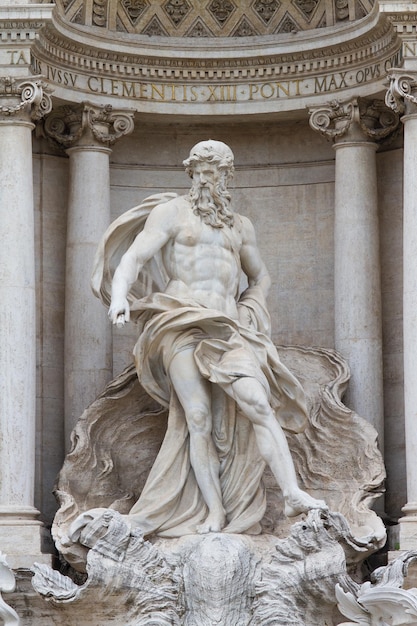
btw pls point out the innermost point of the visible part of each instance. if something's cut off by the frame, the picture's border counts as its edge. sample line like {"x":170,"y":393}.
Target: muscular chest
{"x":195,"y":235}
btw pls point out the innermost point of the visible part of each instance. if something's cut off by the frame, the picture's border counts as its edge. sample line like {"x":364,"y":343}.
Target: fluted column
{"x":355,"y":127}
{"x":87,"y":133}
{"x":21,"y":103}
{"x":402,"y":97}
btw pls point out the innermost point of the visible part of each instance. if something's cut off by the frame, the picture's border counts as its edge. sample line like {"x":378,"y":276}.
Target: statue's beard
{"x":212,"y":204}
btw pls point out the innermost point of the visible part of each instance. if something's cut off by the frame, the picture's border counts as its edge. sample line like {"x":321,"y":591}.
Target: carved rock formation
{"x":381,"y":600}
{"x":118,"y":437}
{"x":201,"y":580}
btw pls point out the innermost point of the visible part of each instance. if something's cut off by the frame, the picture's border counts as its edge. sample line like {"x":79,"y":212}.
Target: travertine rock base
{"x":201,"y":580}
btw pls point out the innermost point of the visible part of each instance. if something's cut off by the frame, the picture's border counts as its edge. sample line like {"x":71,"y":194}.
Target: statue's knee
{"x":255,"y":398}
{"x":261,"y":406}
{"x":199,"y":421}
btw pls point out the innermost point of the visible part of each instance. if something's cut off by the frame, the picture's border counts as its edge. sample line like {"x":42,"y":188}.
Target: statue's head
{"x":211,"y":202}
{"x":211,"y":151}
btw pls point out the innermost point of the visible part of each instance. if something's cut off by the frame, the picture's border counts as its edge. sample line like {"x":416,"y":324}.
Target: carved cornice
{"x":338,"y":119}
{"x":29,"y":98}
{"x":69,"y":126}
{"x":216,"y":63}
{"x":401,"y":95}
{"x":403,"y":15}
{"x":19,"y":24}
{"x":217,"y":76}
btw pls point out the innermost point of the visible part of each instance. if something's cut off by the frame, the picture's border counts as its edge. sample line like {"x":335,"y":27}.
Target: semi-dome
{"x":213,"y":18}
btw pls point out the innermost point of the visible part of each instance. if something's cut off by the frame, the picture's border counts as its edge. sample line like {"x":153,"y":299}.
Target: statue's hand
{"x":119,"y":312}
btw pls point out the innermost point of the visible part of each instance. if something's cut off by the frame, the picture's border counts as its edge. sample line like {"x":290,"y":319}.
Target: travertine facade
{"x":99,"y":103}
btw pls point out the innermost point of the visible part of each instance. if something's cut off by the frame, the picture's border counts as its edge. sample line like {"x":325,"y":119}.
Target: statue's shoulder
{"x":168,"y":214}
{"x":244,"y":225}
{"x":171,"y":207}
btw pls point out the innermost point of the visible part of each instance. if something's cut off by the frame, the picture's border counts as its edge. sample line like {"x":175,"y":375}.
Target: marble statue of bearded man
{"x":174,"y":266}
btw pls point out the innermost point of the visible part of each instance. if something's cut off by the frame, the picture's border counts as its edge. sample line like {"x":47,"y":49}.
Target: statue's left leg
{"x":252,"y":399}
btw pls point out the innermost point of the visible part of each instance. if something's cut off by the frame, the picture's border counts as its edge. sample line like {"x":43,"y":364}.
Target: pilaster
{"x":402,"y":97}
{"x":355,"y":127}
{"x":22,"y":102}
{"x":86,"y":132}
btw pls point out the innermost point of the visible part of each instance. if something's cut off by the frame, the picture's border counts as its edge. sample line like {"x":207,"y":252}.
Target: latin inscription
{"x":409,"y":49}
{"x":14,"y":57}
{"x":218,"y":93}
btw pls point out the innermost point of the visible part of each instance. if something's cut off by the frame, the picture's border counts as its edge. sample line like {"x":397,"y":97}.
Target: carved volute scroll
{"x":371,"y":118}
{"x":402,"y":92}
{"x":23,"y":98}
{"x":90,"y":123}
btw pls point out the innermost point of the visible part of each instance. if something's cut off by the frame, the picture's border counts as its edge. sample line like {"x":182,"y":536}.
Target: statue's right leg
{"x":194,"y":395}
{"x":273,"y":446}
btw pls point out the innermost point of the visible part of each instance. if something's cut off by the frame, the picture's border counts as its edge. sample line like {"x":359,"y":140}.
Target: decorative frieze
{"x":150,"y":78}
{"x":218,"y":63}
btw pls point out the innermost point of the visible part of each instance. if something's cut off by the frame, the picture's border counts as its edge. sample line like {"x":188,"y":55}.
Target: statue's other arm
{"x":252,"y":263}
{"x":159,"y":228}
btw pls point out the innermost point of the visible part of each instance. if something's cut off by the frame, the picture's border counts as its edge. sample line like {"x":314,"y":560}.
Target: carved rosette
{"x":24,"y":98}
{"x":372,"y":117}
{"x":402,"y":92}
{"x":101,"y":125}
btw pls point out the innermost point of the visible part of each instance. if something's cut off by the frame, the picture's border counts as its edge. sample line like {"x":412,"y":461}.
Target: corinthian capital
{"x":26,"y":99}
{"x":88,"y":124}
{"x":401,"y":93}
{"x":357,"y":119}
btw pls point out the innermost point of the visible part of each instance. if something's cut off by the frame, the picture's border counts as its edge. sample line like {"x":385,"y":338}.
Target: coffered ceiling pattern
{"x":212,"y":18}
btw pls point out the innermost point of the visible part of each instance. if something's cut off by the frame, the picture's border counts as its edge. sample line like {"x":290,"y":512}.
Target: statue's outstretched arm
{"x":159,"y":228}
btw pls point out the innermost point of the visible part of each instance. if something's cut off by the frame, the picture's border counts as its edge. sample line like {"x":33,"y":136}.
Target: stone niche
{"x":287,"y":574}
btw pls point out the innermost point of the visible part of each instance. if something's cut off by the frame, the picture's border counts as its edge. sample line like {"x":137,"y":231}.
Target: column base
{"x":23,"y":539}
{"x":408,"y":527}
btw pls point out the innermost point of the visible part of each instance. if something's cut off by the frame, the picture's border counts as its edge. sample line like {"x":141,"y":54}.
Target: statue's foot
{"x":299,"y":501}
{"x":214,"y":523}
